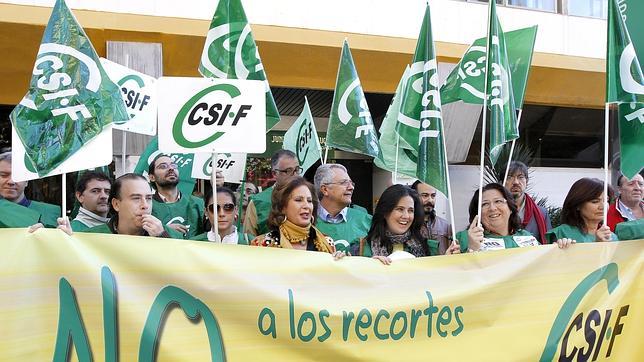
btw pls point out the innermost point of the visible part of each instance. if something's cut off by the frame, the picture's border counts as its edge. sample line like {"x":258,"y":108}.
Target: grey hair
{"x":518,"y":166}
{"x":5,"y":156}
{"x":324,"y":175}
{"x":279,"y":154}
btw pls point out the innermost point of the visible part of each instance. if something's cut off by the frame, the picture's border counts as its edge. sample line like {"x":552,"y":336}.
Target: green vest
{"x":13,"y":215}
{"x":188,"y":211}
{"x":493,"y":242}
{"x":105,"y":229}
{"x":348,"y":232}
{"x":78,"y":226}
{"x":630,"y":230}
{"x":242,"y":239}
{"x":432,"y":244}
{"x":48,"y":213}
{"x":572,"y":232}
{"x":262,"y":202}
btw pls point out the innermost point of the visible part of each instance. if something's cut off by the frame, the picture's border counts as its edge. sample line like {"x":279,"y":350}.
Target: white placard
{"x":232,"y":165}
{"x":139,"y":95}
{"x":492,"y":244}
{"x":524,"y":241}
{"x":211,"y":115}
{"x":96,"y":153}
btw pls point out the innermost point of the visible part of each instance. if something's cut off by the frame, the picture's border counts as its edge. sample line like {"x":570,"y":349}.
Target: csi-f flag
{"x":467,"y":79}
{"x":393,"y":157}
{"x":350,"y":125}
{"x":70,"y":98}
{"x":184,"y":162}
{"x":420,"y":119}
{"x":302,"y":139}
{"x":503,"y":117}
{"x":230,"y":52}
{"x":625,"y":85}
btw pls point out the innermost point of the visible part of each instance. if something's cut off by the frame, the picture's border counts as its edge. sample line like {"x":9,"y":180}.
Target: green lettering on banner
{"x":71,"y":330}
{"x":260,"y":323}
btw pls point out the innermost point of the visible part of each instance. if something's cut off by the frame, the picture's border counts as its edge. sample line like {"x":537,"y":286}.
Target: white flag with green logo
{"x":302,"y":139}
{"x":231,"y":165}
{"x":230,"y":52}
{"x":70,"y":100}
{"x":393,"y":157}
{"x":350,"y":125}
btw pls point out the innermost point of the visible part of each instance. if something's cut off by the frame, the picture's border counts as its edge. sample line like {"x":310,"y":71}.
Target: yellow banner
{"x":99,"y":297}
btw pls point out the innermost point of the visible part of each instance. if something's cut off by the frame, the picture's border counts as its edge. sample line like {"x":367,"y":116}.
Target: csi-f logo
{"x":232,"y":38}
{"x":304,"y":136}
{"x":222,"y":164}
{"x":596,"y":326}
{"x":353,"y":97}
{"x":131,"y":86}
{"x":58,"y":93}
{"x":208,"y":115}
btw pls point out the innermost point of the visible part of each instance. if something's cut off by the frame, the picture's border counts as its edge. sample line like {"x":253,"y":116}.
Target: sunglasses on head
{"x":227,"y":207}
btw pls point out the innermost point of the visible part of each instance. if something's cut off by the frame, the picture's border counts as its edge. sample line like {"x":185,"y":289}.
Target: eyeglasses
{"x":165,"y":166}
{"x":290,"y":171}
{"x":518,"y":177}
{"x":343,"y":183}
{"x":497,"y":203}
{"x":227,"y":207}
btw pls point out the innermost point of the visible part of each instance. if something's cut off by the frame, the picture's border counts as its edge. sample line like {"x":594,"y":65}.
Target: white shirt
{"x":230,"y":239}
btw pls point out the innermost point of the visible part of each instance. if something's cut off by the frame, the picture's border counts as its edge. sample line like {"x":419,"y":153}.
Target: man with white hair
{"x":335,"y":218}
{"x":629,"y":205}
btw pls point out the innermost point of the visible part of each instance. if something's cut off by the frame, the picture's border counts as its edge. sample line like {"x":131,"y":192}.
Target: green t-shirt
{"x":49,"y":213}
{"x":493,"y":242}
{"x":188,"y":211}
{"x":105,"y":229}
{"x":78,"y":226}
{"x":13,"y":215}
{"x":349,"y":232}
{"x":432,"y":244}
{"x":242,"y":239}
{"x":572,"y":232}
{"x":630,"y":230}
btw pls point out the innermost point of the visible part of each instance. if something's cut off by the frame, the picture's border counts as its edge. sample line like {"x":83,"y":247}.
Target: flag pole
{"x":606,"y":131}
{"x":507,"y":167}
{"x":396,"y":163}
{"x":123,"y":144}
{"x":213,"y":172}
{"x":242,"y":193}
{"x":449,"y":188}
{"x":64,"y":192}
{"x":326,"y":154}
{"x":483,"y":128}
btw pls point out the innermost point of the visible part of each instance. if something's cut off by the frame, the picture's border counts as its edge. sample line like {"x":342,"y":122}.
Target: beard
{"x":167,"y":183}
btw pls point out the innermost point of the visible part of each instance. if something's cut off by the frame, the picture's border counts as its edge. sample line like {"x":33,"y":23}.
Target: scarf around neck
{"x":414,"y":246}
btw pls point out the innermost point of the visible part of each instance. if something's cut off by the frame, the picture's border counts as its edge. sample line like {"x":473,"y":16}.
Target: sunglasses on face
{"x":227,"y":207}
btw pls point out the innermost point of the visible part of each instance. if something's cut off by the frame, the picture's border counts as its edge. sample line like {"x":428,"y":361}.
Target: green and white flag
{"x":420,"y":119}
{"x":393,"y":157}
{"x":70,"y":99}
{"x":230,"y":52}
{"x":625,"y":85}
{"x":467,"y":79}
{"x":183,"y":160}
{"x":302,"y":139}
{"x":503,"y":117}
{"x":350,"y":125}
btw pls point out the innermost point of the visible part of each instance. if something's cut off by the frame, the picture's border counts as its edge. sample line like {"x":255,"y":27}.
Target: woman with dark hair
{"x":227,"y":213}
{"x":397,"y":225}
{"x":581,"y":215}
{"x":501,"y":226}
{"x":293,"y":204}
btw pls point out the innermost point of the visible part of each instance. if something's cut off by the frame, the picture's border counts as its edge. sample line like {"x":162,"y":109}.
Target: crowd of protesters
{"x":320,"y":216}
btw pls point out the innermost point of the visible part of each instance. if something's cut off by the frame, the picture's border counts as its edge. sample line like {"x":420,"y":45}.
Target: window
{"x":545,"y":5}
{"x":590,"y":8}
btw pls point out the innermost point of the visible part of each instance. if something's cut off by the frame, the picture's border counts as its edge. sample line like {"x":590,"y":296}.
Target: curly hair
{"x":282,"y":194}
{"x":514,"y":222}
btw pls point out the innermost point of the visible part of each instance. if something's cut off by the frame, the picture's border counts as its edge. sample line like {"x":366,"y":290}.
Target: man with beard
{"x":437,"y":228}
{"x":534,"y":218}
{"x":131,"y":200}
{"x":284,"y":164}
{"x":344,"y":224}
{"x":16,"y":210}
{"x":92,"y":192}
{"x":182,"y":213}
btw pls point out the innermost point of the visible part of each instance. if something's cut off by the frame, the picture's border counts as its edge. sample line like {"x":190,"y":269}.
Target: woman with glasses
{"x":397,"y":225}
{"x":582,"y":214}
{"x":501,"y":226}
{"x":291,"y":219}
{"x":226,"y":208}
